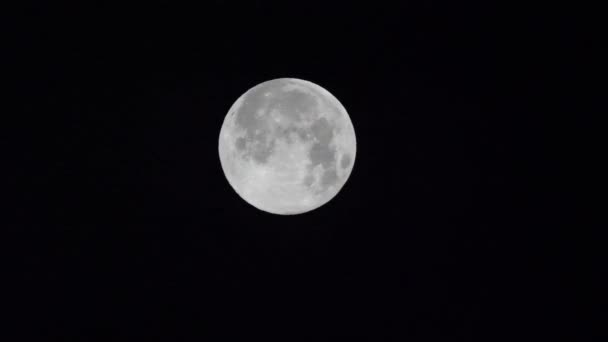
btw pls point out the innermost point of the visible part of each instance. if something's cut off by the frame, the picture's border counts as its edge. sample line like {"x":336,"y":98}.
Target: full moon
{"x":287,"y":146}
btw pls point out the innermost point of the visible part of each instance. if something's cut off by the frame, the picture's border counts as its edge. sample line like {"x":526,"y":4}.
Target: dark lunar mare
{"x":322,"y":153}
{"x":346,"y":160}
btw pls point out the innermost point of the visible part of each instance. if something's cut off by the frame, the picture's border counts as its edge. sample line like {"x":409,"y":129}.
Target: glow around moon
{"x":287,"y":146}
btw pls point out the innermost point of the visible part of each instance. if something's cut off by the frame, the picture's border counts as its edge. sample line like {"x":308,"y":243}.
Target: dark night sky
{"x":126,"y":228}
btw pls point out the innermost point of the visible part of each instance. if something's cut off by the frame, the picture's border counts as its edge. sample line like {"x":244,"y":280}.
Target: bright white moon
{"x":287,"y":146}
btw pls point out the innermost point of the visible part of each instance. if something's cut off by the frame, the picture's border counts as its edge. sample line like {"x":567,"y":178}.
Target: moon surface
{"x":287,"y":146}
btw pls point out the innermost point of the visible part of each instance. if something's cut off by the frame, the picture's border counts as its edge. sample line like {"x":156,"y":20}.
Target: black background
{"x":449,"y":227}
